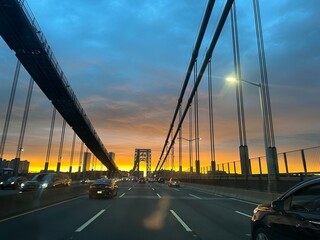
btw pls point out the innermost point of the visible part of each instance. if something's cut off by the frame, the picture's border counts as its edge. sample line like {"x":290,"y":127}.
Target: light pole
{"x":272,"y":163}
{"x":190,"y":140}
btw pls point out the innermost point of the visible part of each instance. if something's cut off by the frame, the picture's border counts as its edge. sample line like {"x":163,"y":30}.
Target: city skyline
{"x":126,"y":63}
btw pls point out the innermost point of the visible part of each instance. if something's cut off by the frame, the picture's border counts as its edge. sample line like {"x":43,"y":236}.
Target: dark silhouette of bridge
{"x":22,"y":34}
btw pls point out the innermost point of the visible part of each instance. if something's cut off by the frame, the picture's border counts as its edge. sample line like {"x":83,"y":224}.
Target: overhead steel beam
{"x":20,"y":31}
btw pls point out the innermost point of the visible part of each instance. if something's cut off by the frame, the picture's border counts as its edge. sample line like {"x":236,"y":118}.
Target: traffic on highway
{"x":139,"y":211}
{"x":116,"y":209}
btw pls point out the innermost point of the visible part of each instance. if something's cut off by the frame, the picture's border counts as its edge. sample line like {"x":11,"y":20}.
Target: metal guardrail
{"x":298,"y":161}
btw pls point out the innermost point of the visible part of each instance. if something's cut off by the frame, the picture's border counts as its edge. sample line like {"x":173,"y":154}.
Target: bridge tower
{"x":142,"y":155}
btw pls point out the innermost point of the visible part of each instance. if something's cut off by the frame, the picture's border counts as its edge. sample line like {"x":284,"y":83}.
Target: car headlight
{"x":22,"y":185}
{"x":44,"y":185}
{"x":12,"y":182}
{"x":1,"y":183}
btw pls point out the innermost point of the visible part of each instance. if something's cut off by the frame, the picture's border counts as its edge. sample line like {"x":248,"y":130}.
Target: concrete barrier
{"x":248,"y":195}
{"x":27,"y":201}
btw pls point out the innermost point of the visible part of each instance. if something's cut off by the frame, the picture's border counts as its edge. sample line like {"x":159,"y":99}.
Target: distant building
{"x":86,"y":162}
{"x":23,"y":165}
{"x":4,"y":164}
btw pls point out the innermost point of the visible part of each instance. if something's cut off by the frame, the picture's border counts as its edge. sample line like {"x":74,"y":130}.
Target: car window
{"x":103,"y":181}
{"x":39,"y":177}
{"x":49,"y":177}
{"x":307,"y":199}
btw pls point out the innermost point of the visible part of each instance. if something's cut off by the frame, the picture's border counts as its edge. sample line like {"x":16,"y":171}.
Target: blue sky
{"x":126,"y":62}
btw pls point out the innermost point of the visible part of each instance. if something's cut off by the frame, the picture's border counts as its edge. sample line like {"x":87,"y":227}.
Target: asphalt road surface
{"x":139,"y":211}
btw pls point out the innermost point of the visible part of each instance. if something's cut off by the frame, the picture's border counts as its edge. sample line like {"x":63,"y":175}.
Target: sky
{"x":126,"y":62}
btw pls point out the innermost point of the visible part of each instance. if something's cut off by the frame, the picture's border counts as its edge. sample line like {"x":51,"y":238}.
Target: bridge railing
{"x":298,"y":161}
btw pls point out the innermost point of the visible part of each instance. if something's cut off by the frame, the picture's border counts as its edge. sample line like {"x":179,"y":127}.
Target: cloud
{"x":127,"y":60}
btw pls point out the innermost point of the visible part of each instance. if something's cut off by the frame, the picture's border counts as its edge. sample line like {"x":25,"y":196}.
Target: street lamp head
{"x":232,"y":79}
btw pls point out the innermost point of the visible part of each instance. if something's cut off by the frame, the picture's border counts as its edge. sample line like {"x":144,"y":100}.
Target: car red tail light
{"x":92,"y":186}
{"x":107,"y":186}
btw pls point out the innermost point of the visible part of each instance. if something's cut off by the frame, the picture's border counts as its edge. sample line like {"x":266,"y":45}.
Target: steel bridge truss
{"x":20,"y":31}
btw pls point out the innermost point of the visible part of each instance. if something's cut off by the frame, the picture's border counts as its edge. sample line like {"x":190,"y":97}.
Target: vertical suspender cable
{"x":53,"y":119}
{"x":190,"y":137}
{"x":72,"y":151}
{"x":208,"y":56}
{"x":80,"y":156}
{"x":243,"y":149}
{"x":180,"y":142}
{"x":172,"y":158}
{"x":25,"y":118}
{"x":236,"y":55}
{"x":196,"y":118}
{"x":61,"y":145}
{"x":264,"y":76}
{"x":211,"y":116}
{"x":194,"y":56}
{"x":9,"y":109}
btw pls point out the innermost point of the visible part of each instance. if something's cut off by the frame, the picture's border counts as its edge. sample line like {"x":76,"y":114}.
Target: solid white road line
{"x":90,"y":221}
{"x":195,"y":196}
{"x":40,"y":209}
{"x":243,"y":214}
{"x":158,"y":195}
{"x":181,"y":221}
{"x":129,"y":189}
{"x":122,"y":195}
{"x":177,"y":190}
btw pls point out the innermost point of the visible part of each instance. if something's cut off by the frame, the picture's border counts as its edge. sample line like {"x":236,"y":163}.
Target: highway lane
{"x":140,"y":211}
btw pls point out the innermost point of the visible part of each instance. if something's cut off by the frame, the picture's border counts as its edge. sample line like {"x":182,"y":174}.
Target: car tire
{"x":261,"y":234}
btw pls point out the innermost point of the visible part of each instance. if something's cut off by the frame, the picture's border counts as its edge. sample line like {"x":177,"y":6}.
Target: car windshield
{"x":158,"y":119}
{"x":12,"y":178}
{"x":42,"y":177}
{"x":103,"y":181}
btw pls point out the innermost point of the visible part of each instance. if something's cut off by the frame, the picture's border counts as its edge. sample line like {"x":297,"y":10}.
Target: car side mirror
{"x":278,"y":205}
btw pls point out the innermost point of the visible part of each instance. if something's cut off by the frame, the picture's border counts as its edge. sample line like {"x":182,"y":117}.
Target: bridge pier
{"x":244,"y":160}
{"x":198,"y":167}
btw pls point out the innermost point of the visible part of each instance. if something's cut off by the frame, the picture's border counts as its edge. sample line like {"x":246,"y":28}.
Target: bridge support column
{"x":46,"y":166}
{"x":58,"y":166}
{"x":16,"y":166}
{"x":213,"y":167}
{"x":198,"y":167}
{"x":244,"y":160}
{"x":273,"y":169}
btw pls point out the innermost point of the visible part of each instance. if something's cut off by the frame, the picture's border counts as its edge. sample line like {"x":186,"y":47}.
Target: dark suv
{"x":294,"y":215}
{"x":46,"y":180}
{"x":12,"y":183}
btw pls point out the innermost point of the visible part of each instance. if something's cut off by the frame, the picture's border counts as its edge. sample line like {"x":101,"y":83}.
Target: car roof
{"x":308,"y":182}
